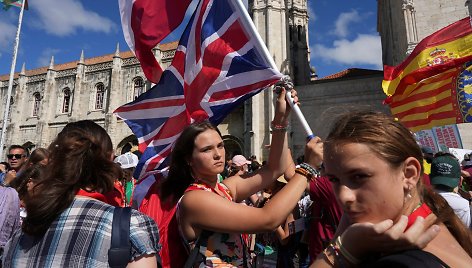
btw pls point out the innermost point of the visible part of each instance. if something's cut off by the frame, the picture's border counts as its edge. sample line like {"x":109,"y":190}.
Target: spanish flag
{"x":433,"y":86}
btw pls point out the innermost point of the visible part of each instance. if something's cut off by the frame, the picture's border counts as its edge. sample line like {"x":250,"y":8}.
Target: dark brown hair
{"x":180,"y":175}
{"x":394,"y":143}
{"x":80,"y":157}
{"x":34,"y":172}
{"x":38,"y":155}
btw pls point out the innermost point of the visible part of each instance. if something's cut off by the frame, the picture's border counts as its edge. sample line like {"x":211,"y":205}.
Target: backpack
{"x":173,"y":252}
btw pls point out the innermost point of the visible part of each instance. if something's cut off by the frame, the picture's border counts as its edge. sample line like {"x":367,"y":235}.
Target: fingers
{"x":383,"y":226}
{"x":397,"y":229}
{"x":294,"y":95}
{"x":428,"y":236}
{"x":422,"y":231}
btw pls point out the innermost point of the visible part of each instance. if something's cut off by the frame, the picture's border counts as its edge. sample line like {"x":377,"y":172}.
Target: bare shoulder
{"x":446,"y":247}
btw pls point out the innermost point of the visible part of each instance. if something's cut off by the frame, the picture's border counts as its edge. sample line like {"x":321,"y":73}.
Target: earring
{"x":408,"y":195}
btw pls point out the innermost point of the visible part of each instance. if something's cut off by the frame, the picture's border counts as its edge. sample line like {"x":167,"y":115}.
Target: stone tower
{"x":283,"y":26}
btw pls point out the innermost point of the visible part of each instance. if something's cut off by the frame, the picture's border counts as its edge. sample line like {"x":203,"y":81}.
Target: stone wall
{"x":323,"y":100}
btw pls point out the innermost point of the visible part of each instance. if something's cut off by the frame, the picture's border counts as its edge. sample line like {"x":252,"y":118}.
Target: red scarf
{"x":422,"y":211}
{"x":94,"y":195}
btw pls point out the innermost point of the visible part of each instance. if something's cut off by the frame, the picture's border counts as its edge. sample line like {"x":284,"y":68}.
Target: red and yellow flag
{"x":433,"y":86}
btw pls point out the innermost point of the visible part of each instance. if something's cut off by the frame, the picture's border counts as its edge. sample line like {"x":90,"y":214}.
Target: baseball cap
{"x":426,"y":150}
{"x":127,"y":160}
{"x":446,"y":171}
{"x":239,"y":160}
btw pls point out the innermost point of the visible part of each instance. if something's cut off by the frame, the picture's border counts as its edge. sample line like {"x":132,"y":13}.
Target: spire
{"x":117,"y":51}
{"x":81,"y":60}
{"x":51,"y":64}
{"x":23,"y":69}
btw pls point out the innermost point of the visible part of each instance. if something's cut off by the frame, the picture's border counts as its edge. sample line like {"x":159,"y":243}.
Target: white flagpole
{"x":10,"y":82}
{"x":249,"y":25}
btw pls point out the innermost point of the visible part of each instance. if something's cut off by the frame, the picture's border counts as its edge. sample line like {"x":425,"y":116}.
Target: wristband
{"x":277,"y":127}
{"x":310,"y":169}
{"x":338,"y":260}
{"x":346,"y":253}
{"x":304,"y":172}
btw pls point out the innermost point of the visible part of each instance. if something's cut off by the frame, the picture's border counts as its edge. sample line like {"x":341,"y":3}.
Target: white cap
{"x":127,"y":160}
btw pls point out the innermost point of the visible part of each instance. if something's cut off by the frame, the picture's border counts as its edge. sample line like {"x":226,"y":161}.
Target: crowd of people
{"x":365,"y":196}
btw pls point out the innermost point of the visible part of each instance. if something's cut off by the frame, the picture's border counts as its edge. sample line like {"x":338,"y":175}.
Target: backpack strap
{"x":119,"y":253}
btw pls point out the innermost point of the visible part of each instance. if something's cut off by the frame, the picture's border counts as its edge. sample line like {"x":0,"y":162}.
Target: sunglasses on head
{"x":17,"y":156}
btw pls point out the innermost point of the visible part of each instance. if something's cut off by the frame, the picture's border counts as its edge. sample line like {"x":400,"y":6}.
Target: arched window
{"x":138,"y":87}
{"x":36,"y":104}
{"x":99,"y":96}
{"x":66,"y":102}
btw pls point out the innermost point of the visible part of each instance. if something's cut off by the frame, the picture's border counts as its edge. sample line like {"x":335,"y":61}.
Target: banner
{"x":440,"y":138}
{"x":447,"y":137}
{"x":459,"y":153}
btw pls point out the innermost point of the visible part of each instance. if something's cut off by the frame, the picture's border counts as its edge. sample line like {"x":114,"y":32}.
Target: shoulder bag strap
{"x":119,"y":253}
{"x":198,"y":251}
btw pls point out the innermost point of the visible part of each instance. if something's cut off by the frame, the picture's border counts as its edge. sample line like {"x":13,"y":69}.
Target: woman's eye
{"x":359,"y":178}
{"x":333,"y":179}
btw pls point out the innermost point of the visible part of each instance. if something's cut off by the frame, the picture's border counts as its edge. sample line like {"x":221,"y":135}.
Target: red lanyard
{"x":422,"y":211}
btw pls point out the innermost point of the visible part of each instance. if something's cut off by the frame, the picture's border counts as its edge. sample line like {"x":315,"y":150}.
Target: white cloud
{"x":7,"y":36}
{"x":311,"y":13}
{"x":364,"y":50}
{"x":45,"y":58}
{"x":344,"y":21}
{"x":65,"y":17}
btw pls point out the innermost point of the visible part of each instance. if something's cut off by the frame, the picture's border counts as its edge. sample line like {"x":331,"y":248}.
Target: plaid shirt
{"x":80,"y":237}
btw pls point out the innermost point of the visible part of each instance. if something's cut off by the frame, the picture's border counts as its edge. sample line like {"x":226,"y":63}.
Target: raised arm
{"x":205,"y":210}
{"x":242,"y":188}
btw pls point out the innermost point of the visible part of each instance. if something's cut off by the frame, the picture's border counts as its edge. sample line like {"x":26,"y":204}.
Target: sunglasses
{"x":16,"y":156}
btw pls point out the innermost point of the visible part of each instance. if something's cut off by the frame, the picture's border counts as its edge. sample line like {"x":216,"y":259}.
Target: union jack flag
{"x":216,"y":67}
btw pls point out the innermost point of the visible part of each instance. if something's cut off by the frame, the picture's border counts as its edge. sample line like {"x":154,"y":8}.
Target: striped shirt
{"x":80,"y":237}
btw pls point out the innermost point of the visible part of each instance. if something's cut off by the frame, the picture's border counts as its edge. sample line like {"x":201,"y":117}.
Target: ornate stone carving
{"x":408,"y":4}
{"x":168,"y":54}
{"x":36,"y":78}
{"x":68,"y":72}
{"x":99,"y":67}
{"x":130,"y":61}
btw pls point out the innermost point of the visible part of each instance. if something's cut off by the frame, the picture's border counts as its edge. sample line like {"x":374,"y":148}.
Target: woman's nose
{"x":345,"y":195}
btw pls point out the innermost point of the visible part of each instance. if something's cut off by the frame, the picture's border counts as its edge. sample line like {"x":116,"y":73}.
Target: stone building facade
{"x":47,"y":98}
{"x":44,"y":100}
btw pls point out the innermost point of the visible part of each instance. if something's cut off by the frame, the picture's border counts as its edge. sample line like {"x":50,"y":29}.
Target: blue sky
{"x":342,"y":34}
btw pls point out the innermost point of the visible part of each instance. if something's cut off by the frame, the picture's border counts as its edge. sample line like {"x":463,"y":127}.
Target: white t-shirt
{"x":460,"y":206}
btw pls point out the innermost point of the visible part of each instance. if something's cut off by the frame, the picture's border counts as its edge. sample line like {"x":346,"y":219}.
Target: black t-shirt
{"x":414,"y":258}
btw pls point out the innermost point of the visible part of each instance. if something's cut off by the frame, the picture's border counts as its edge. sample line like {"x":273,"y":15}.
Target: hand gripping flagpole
{"x":10,"y":82}
{"x":288,"y":85}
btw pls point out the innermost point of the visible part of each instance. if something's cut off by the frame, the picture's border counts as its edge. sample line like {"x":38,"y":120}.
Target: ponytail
{"x":446,"y":215}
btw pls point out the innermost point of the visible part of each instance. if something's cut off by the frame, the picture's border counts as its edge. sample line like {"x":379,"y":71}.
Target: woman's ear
{"x":412,"y":172}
